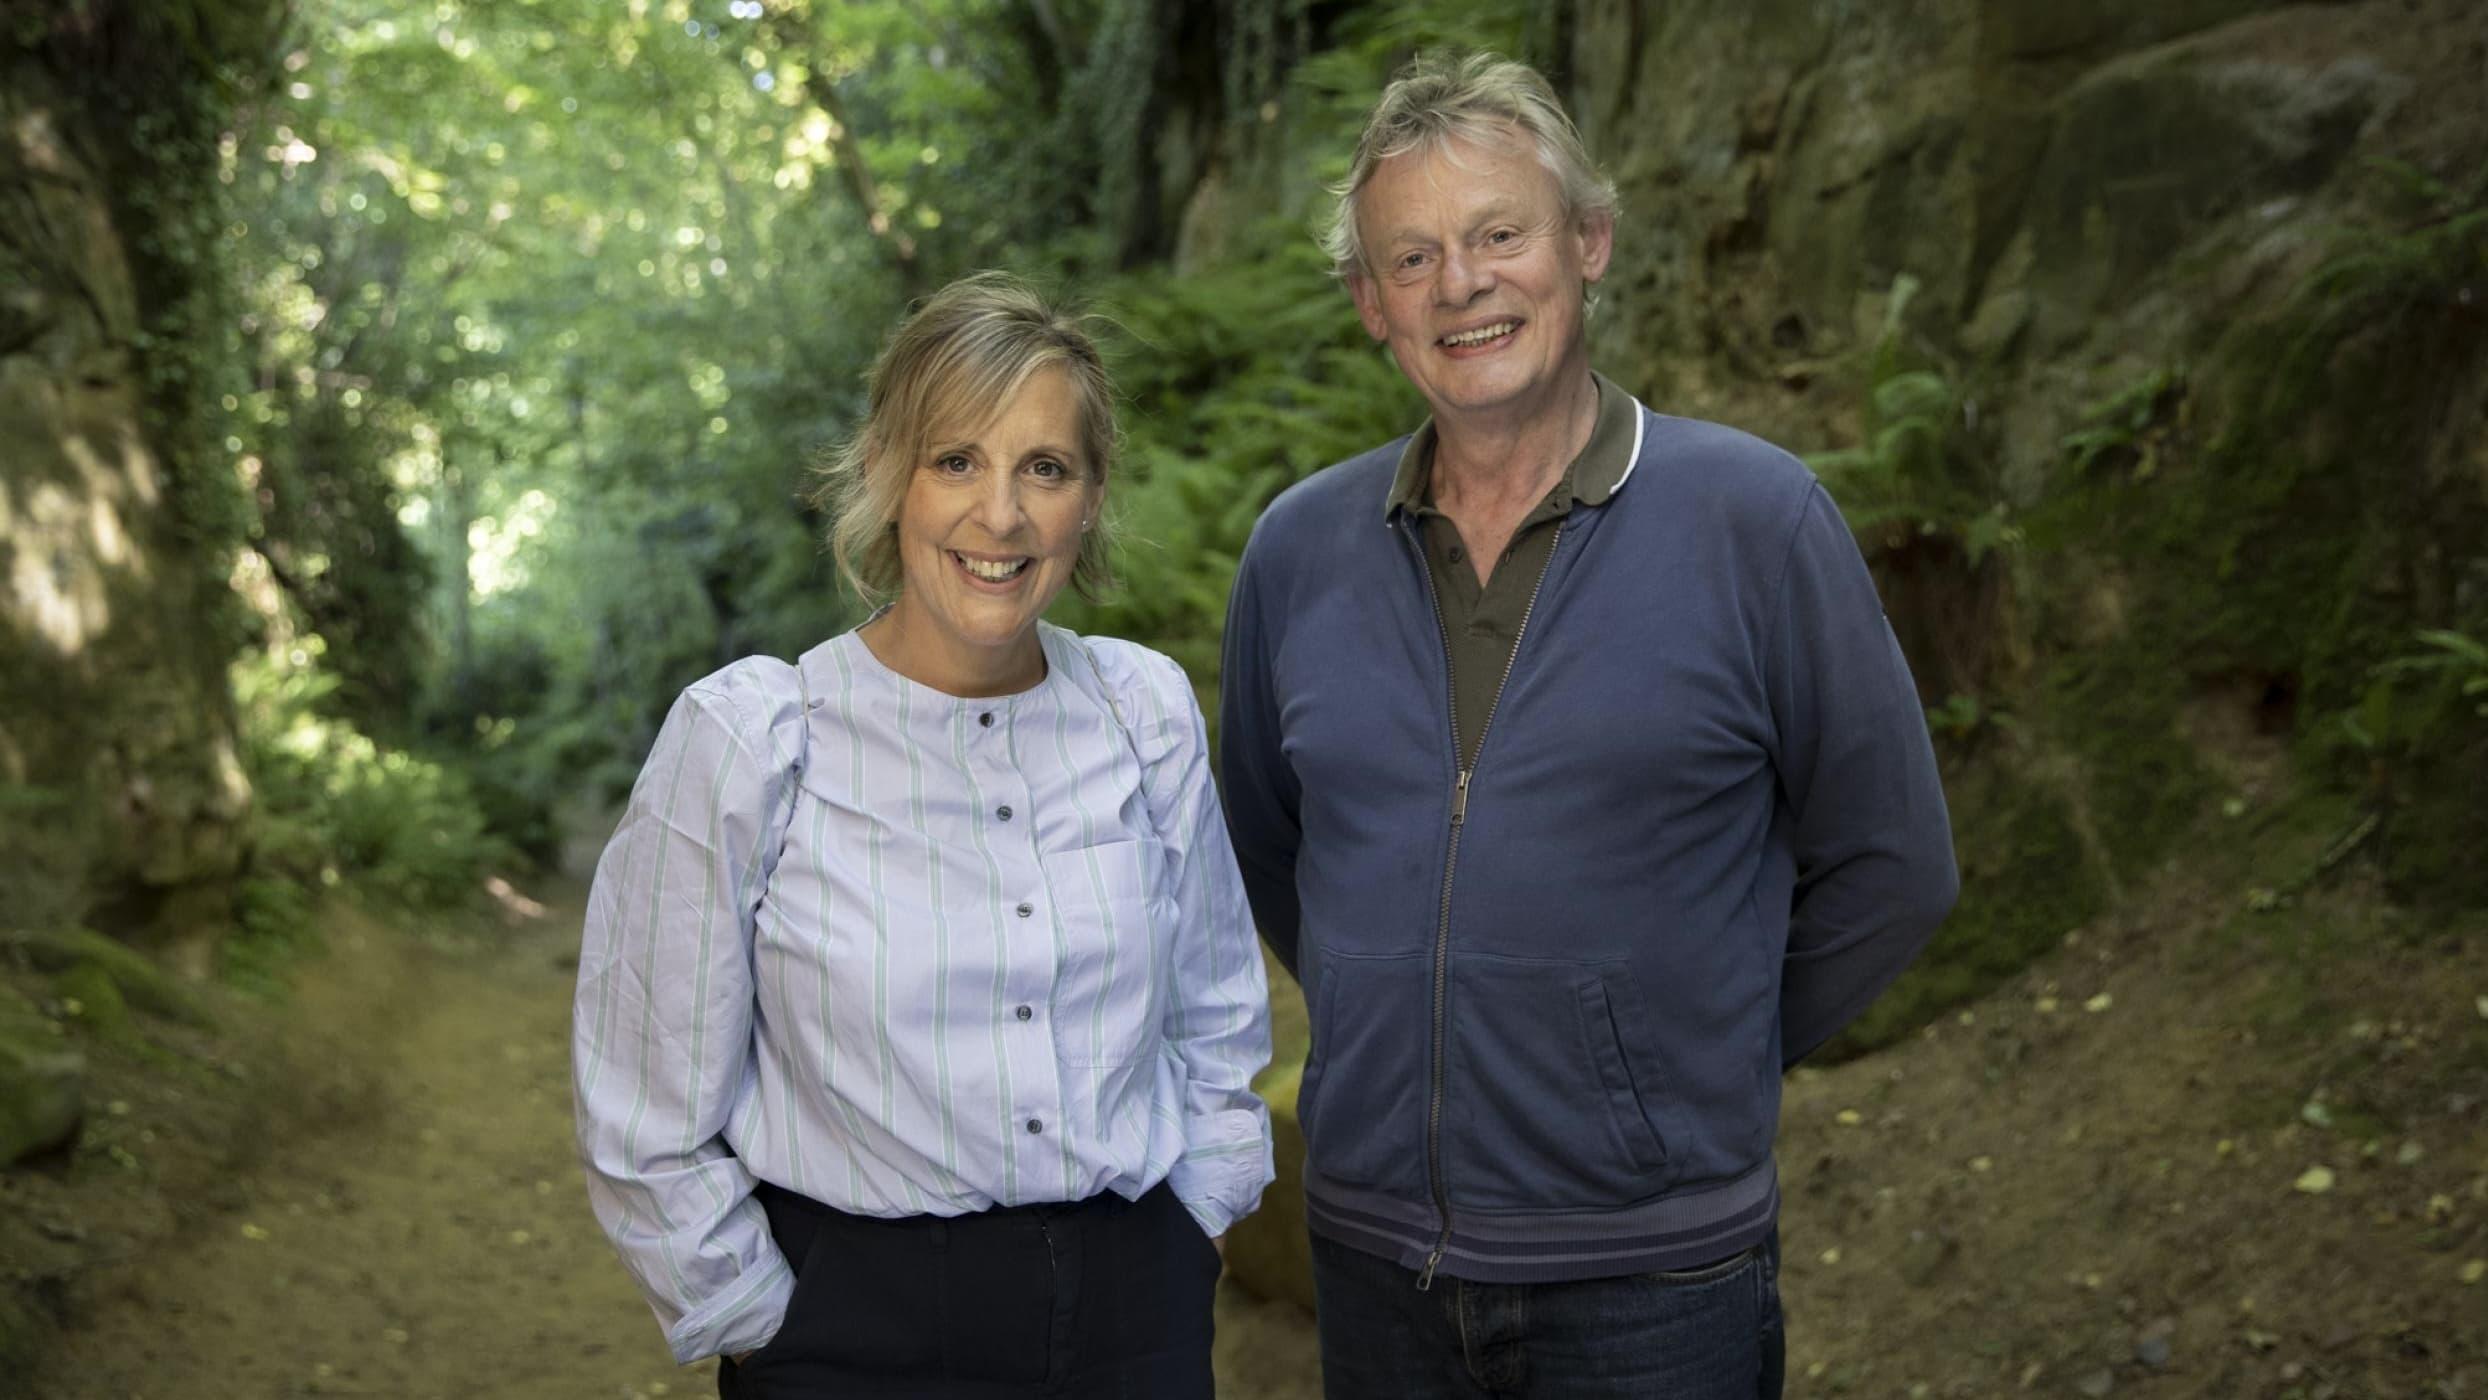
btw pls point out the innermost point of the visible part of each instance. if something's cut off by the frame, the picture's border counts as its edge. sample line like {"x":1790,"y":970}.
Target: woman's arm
{"x":662,"y":1025}
{"x":1218,"y":1013}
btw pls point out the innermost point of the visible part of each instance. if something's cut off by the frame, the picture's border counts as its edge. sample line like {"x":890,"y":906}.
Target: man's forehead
{"x":1472,"y":179}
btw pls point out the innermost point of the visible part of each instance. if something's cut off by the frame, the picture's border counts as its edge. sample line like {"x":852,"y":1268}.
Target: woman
{"x":918,"y":1004}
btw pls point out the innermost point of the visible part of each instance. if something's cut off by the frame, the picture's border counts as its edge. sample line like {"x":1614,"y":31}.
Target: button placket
{"x":1006,"y":808}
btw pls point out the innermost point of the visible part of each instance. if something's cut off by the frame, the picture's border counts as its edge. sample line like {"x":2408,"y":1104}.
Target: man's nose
{"x":1464,"y":276}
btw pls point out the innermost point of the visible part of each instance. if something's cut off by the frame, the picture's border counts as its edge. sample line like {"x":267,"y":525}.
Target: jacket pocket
{"x":1604,"y":1035}
{"x":1363,"y":1100}
{"x":1550,"y":1107}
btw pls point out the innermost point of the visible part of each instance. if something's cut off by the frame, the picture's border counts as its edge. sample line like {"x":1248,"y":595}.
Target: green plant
{"x":1919,"y":467}
{"x":2379,"y":280}
{"x":1963,"y":717}
{"x":336,"y":807}
{"x":2132,"y":428}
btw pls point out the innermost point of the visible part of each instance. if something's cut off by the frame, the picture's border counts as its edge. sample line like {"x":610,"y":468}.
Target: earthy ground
{"x":415,"y":1227}
{"x":2232,"y":1145}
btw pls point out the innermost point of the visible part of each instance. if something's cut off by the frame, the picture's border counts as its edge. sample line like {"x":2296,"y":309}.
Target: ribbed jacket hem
{"x":1677,"y":1231}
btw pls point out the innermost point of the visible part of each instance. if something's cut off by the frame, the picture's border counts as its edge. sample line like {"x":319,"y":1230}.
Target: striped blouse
{"x":911,"y":954}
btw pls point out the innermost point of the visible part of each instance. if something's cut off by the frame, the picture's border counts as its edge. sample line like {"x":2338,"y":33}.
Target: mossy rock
{"x":136,"y":981}
{"x":89,"y":996}
{"x":1268,"y":1251}
{"x":2027,"y":878}
{"x":42,"y":1082}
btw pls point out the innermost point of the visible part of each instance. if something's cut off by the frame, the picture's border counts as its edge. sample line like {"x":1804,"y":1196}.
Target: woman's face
{"x":991,"y":525}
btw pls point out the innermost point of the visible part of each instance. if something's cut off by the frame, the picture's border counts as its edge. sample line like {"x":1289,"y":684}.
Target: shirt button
{"x":1003,"y":813}
{"x":1458,"y":554}
{"x":1027,"y":909}
{"x":986,"y":719}
{"x":1035,"y":1126}
{"x":1024,"y":1013}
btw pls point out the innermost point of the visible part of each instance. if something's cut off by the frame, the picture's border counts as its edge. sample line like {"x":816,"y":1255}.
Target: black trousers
{"x":1102,"y":1299}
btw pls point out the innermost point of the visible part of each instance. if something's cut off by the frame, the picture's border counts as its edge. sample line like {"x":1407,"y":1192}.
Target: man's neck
{"x":1506,"y":462}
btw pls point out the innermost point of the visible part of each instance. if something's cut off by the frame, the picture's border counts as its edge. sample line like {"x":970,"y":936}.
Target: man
{"x":1575,"y":772}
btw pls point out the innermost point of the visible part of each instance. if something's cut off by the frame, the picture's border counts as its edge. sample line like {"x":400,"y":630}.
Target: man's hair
{"x":947,"y":371}
{"x":1482,"y":98}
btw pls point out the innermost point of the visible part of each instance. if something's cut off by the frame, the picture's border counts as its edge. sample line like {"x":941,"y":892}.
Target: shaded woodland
{"x":400,"y":402}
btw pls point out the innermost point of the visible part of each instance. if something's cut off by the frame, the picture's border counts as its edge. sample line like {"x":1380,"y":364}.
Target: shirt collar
{"x":1593,"y":476}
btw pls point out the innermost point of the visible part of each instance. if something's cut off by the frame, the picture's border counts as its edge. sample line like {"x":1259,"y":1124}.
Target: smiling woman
{"x":941,"y":1079}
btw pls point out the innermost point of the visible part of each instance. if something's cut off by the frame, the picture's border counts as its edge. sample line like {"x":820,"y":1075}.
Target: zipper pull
{"x":1460,"y":799}
{"x":1425,"y":1281}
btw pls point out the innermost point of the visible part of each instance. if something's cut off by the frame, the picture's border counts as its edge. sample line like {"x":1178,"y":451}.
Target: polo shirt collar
{"x":1604,"y":461}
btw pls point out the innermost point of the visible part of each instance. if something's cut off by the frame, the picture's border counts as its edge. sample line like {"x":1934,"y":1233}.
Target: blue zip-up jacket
{"x":1552,"y":998}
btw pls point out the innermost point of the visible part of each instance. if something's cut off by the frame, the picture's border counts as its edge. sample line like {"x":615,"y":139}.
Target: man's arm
{"x":1875,"y":871}
{"x":1261,"y":790}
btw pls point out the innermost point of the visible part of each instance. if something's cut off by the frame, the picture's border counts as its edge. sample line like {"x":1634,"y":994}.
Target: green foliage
{"x":2423,"y":699}
{"x":2131,"y":429}
{"x":2423,"y":724}
{"x":1962,"y":718}
{"x":1920,"y":466}
{"x":1240,"y":381}
{"x":2384,"y":282}
{"x":336,"y":806}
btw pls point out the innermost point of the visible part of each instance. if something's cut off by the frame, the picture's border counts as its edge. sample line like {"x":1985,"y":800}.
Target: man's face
{"x":1475,"y":276}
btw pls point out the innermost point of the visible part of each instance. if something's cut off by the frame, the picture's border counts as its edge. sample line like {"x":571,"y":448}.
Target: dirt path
{"x":433,"y":1240}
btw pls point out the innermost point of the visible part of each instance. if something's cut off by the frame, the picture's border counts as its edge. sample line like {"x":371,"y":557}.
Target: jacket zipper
{"x":1451,"y":860}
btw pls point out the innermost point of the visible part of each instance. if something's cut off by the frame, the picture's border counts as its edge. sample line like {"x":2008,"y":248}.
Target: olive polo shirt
{"x":1481,"y":625}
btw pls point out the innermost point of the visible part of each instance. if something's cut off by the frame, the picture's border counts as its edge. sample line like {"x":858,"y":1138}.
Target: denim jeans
{"x":1705,"y":1334}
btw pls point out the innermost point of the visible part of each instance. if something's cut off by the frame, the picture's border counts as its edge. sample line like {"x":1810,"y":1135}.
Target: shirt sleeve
{"x":1218,"y":1014}
{"x":1262,"y":793}
{"x":1875,"y":872}
{"x":662,"y":1025}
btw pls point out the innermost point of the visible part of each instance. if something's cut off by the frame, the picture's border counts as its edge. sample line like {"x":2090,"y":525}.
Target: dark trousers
{"x":1703,"y":1334}
{"x":1102,"y":1299}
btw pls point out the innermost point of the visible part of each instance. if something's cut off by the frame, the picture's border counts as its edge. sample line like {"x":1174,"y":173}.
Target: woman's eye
{"x":1048,"y":469}
{"x":1409,"y":262}
{"x":953,"y":464}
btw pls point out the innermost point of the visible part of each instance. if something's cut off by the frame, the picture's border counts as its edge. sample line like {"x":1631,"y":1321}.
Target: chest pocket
{"x":1108,"y":1007}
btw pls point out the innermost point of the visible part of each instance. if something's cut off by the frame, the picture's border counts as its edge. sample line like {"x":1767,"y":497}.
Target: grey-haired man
{"x":1575,"y":772}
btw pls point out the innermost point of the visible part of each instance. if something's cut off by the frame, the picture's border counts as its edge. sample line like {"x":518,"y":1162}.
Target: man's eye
{"x":1502,"y":235}
{"x":1409,"y":262}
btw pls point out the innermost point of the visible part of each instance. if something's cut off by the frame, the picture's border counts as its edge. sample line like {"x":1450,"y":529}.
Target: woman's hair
{"x":1482,"y":99}
{"x":948,"y":369}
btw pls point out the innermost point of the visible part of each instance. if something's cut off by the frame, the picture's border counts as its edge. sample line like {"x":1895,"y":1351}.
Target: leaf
{"x":2315,"y":1181}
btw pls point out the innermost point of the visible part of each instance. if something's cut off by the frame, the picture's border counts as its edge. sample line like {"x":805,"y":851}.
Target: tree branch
{"x":848,"y":151}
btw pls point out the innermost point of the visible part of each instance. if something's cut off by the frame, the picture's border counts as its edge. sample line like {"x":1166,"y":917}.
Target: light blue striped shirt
{"x":911,"y":954}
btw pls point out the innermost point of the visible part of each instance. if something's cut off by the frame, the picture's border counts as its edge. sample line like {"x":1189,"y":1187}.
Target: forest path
{"x":432,"y":1238}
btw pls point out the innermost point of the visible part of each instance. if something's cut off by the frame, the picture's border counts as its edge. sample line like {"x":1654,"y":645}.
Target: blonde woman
{"x":918,"y":1005}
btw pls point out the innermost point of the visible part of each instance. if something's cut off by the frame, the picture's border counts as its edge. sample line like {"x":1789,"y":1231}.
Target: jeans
{"x":1711,"y":1333}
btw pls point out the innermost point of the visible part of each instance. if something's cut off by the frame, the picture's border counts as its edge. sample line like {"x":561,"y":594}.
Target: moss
{"x":2434,"y":840}
{"x":2027,"y":877}
{"x":127,"y":976}
{"x":88,"y":994}
{"x":2116,"y":710}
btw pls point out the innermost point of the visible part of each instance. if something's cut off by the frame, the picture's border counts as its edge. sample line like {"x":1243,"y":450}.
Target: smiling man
{"x":1575,"y":772}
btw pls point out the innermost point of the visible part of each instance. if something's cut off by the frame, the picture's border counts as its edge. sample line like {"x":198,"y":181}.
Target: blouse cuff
{"x":741,"y":1318}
